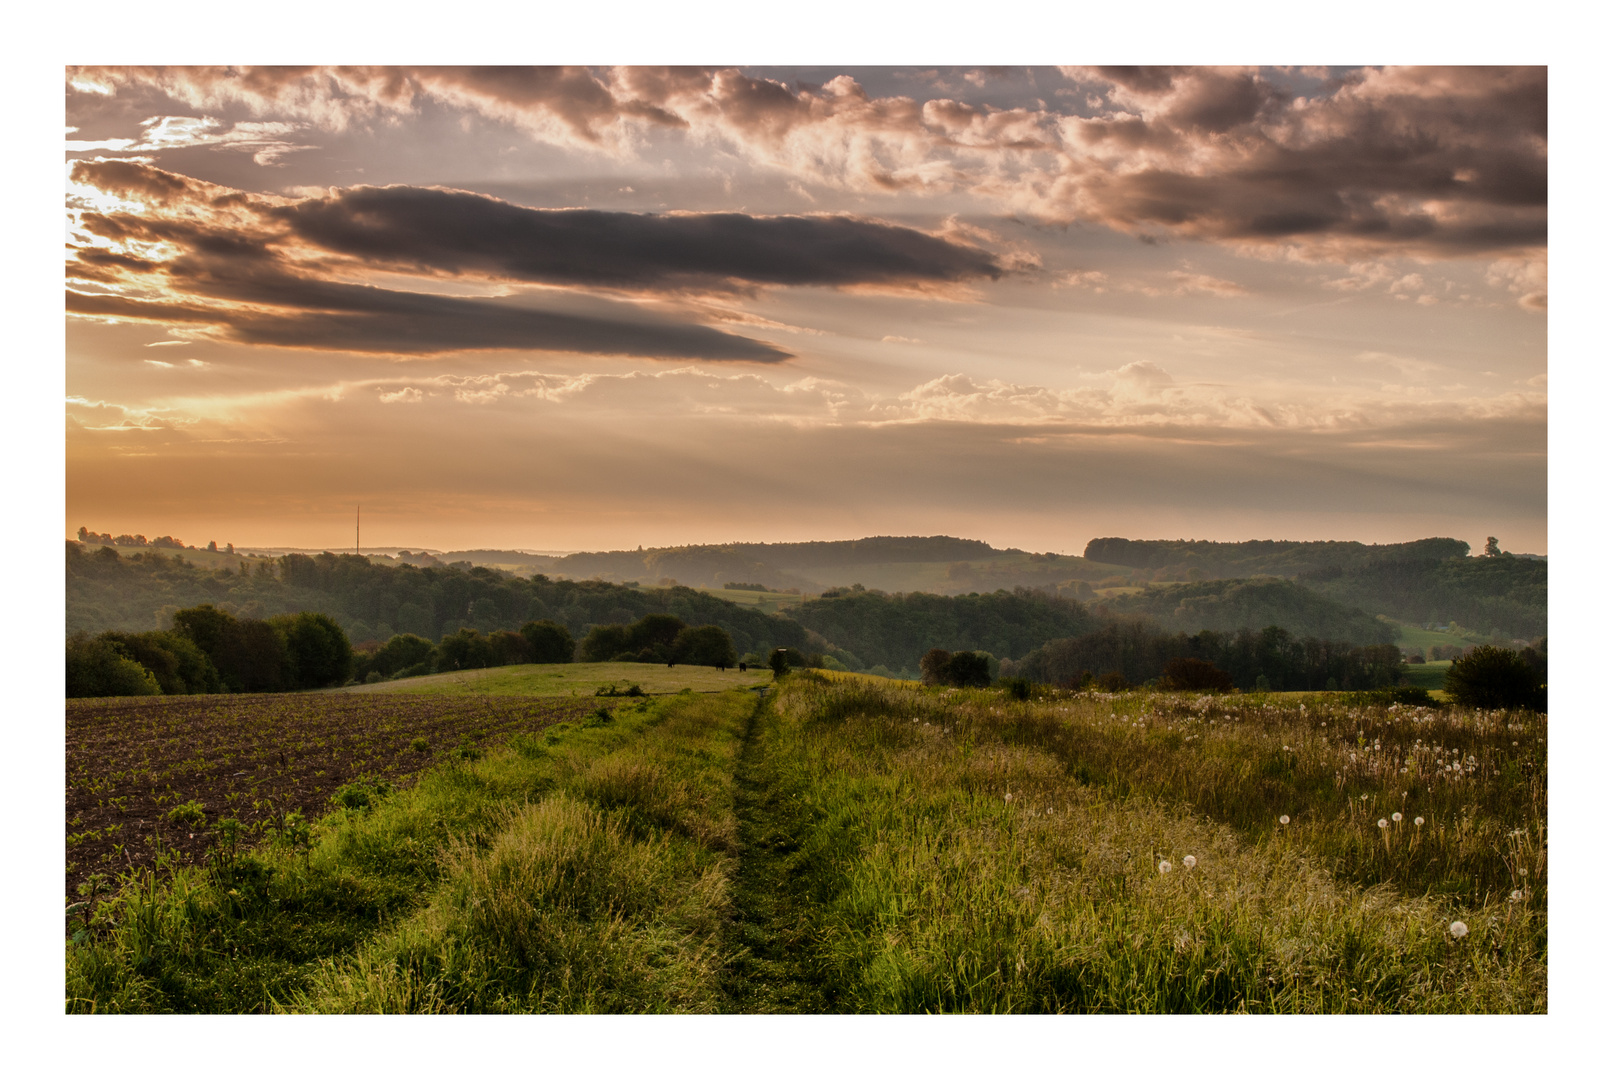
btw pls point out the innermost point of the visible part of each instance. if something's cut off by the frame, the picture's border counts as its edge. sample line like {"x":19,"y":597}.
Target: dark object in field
{"x":1113,"y":682}
{"x":1018,"y":689}
{"x":1191,"y":673}
{"x":1496,"y":678}
{"x":939,"y":667}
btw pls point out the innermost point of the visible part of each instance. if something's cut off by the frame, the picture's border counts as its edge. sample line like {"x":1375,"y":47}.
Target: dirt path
{"x":772,"y":970}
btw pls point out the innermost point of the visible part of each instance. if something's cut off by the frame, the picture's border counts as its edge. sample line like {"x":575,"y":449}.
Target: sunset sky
{"x":561,"y":309}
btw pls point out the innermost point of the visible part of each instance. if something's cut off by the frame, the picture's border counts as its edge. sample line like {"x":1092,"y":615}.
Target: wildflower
{"x":1396,"y":816}
{"x":1189,"y":862}
{"x":1458,"y":929}
{"x":1008,"y":796}
{"x":1417,"y":821}
{"x":1383,"y":823}
{"x":1283,"y":820}
{"x":1164,"y":866}
{"x":1517,"y":894}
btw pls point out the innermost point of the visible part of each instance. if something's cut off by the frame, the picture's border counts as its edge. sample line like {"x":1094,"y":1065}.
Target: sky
{"x":601,"y":307}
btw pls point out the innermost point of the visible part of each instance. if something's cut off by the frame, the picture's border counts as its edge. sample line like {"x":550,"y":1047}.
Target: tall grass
{"x":971,"y":853}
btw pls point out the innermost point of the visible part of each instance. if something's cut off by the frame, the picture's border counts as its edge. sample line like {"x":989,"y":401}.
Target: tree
{"x":173,"y":660}
{"x":1492,"y":547}
{"x":933,"y":666}
{"x":706,"y":646}
{"x":509,"y":648}
{"x":968,"y":669}
{"x":603,"y":643}
{"x":1191,"y":673}
{"x":463,"y":650}
{"x":97,"y":668}
{"x":248,"y":654}
{"x":1494,"y":678}
{"x":402,"y":651}
{"x":779,"y":661}
{"x":550,"y":643}
{"x":317,"y":651}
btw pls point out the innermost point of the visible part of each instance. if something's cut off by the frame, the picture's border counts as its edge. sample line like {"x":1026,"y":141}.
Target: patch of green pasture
{"x":1416,"y":638}
{"x":1429,"y":676}
{"x":566,"y":680}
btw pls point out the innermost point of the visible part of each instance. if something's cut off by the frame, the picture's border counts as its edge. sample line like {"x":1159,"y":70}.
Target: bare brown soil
{"x":131,"y":761}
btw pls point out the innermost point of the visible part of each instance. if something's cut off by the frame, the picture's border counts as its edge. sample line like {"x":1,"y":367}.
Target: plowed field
{"x":130,"y":761}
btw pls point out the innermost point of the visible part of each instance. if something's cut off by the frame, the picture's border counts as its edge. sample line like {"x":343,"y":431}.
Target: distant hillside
{"x":944,"y":565}
{"x":1505,"y":594}
{"x":1234,"y":604}
{"x":1180,"y":559}
{"x":897,"y":630}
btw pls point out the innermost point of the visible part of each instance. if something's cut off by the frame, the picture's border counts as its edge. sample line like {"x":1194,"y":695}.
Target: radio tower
{"x":359,"y":510}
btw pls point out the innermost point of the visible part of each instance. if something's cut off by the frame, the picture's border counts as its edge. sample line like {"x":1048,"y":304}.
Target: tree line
{"x":210,"y":651}
{"x":1132,"y":652}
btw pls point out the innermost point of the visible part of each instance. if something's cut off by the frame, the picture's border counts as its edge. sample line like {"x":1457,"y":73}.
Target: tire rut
{"x":772,"y":969}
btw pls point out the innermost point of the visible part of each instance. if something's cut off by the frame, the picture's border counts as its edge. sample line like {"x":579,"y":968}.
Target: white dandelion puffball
{"x":1189,"y":862}
{"x":1383,"y":823}
{"x":1396,"y":816}
{"x":1283,"y":820}
{"x":1164,"y":866}
{"x":1458,"y":929}
{"x":1417,"y":821}
{"x":1517,"y":894}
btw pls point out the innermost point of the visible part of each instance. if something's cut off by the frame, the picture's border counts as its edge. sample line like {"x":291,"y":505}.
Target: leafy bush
{"x":1494,"y":678}
{"x":361,"y":794}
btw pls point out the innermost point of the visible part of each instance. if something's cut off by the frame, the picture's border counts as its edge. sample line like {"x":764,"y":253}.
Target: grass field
{"x":851,"y":844}
{"x":1429,"y":676}
{"x":567,"y":680}
{"x":1416,"y":639}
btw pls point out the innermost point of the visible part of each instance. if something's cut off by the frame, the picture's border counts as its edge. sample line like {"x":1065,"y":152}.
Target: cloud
{"x":1440,"y":162}
{"x":1443,"y":162}
{"x":459,"y":232}
{"x":277,"y":271}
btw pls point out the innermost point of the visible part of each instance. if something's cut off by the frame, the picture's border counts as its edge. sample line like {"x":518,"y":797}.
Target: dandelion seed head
{"x":1283,"y":820}
{"x":1189,"y":862}
{"x":1383,"y":823}
{"x":1164,"y":866}
{"x":1396,"y":816}
{"x":1417,"y":821}
{"x":1458,"y":929}
{"x":1517,"y":894}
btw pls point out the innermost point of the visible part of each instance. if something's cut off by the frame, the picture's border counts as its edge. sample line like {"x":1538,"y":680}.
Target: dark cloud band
{"x":460,"y":232}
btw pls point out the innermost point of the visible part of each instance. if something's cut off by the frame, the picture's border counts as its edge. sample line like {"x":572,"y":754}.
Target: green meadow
{"x":563,"y":680}
{"x":851,"y":844}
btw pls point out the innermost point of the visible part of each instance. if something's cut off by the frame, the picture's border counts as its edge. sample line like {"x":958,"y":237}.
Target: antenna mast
{"x":357,"y":512}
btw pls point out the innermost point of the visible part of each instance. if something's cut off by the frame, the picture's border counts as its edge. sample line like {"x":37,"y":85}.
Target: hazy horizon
{"x":591,"y":309}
